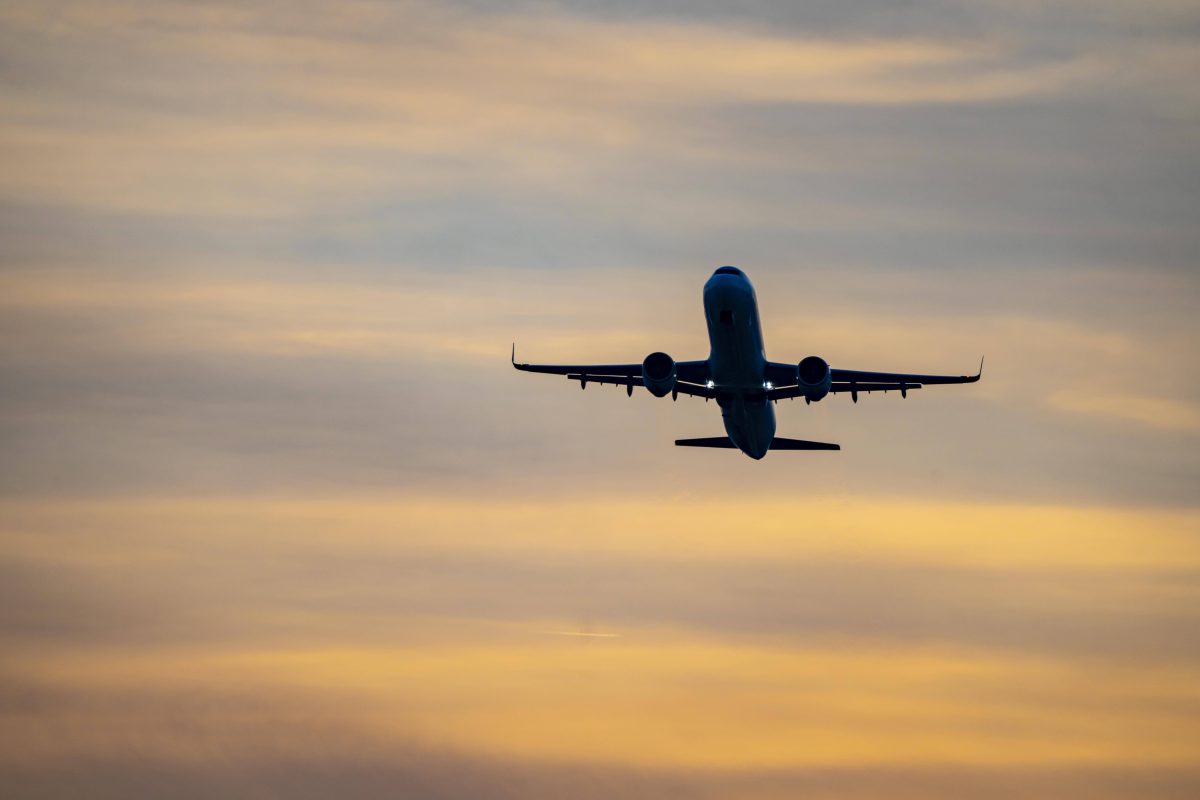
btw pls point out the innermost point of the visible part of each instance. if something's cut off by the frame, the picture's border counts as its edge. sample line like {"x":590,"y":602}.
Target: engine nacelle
{"x":658,"y":373}
{"x":814,"y":377}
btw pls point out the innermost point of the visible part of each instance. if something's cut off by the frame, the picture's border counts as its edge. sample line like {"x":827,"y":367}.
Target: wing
{"x":791,"y":392}
{"x":691,"y":375}
{"x":898,"y":379}
{"x":855,"y":381}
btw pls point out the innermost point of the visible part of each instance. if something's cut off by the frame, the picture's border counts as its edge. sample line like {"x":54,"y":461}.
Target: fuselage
{"x":737,"y":360}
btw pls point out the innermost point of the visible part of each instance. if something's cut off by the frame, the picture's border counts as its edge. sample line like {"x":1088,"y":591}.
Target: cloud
{"x":288,"y":114}
{"x":379,"y":137}
{"x":1103,"y":585}
{"x":680,"y":704}
{"x":215,"y":384}
{"x":1154,"y":412}
{"x":430,"y":773}
{"x":828,"y":642}
{"x":279,"y":518}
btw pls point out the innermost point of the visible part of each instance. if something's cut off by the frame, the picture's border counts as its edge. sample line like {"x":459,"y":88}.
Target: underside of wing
{"x":591,"y":370}
{"x":854,"y":381}
{"x":791,"y":392}
{"x":691,"y":376}
{"x":690,"y":389}
{"x":898,"y":379}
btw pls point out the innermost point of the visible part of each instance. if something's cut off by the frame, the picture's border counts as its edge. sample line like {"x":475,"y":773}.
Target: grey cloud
{"x":943,"y":18}
{"x":1098,"y":174}
{"x":426,"y":773}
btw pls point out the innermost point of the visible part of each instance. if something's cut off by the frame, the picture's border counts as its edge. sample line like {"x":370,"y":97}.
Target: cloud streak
{"x":277,"y":518}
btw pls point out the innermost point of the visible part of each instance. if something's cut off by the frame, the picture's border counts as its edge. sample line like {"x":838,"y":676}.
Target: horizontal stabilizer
{"x":711,"y":441}
{"x":778,"y":443}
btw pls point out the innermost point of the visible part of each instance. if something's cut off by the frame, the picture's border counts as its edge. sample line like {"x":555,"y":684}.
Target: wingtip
{"x":977,"y":375}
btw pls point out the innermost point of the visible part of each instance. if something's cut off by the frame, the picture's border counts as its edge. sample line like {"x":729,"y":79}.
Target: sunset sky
{"x":278,"y":519}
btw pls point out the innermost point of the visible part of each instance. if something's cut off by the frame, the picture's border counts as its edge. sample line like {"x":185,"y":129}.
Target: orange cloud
{"x":961,"y":534}
{"x":658,"y":699}
{"x":205,"y":631}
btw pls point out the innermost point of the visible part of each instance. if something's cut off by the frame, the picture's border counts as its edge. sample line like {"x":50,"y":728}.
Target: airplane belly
{"x":733,"y":362}
{"x":750,"y":424}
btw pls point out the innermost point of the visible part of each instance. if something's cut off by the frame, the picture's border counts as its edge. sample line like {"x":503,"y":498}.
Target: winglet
{"x":514,"y":355}
{"x":977,"y":375}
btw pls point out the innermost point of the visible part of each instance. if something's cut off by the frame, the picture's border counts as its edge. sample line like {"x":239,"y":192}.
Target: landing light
{"x":768,"y":385}
{"x":710,"y":384}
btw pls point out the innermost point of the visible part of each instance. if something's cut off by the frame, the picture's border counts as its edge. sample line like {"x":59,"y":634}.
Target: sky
{"x":278,"y":519}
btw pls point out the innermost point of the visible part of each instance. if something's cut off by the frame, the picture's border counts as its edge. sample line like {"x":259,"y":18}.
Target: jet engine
{"x":813,"y":375}
{"x":658,"y":373}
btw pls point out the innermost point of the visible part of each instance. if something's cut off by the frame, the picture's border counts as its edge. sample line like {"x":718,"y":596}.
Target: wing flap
{"x":610,"y":379}
{"x":694,"y":390}
{"x":789,"y":392}
{"x":680,"y":387}
{"x":872,"y":387}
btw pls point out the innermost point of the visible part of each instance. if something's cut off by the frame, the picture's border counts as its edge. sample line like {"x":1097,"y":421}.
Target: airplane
{"x":738,"y":375}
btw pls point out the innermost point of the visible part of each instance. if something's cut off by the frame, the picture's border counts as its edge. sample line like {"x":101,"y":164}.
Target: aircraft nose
{"x":721,"y":294}
{"x":729,"y":281}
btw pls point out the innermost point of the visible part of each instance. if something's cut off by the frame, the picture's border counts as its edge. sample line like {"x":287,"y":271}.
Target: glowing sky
{"x":277,"y":519}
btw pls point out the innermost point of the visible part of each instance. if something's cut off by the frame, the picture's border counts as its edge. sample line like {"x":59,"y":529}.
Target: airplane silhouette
{"x":738,"y":375}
